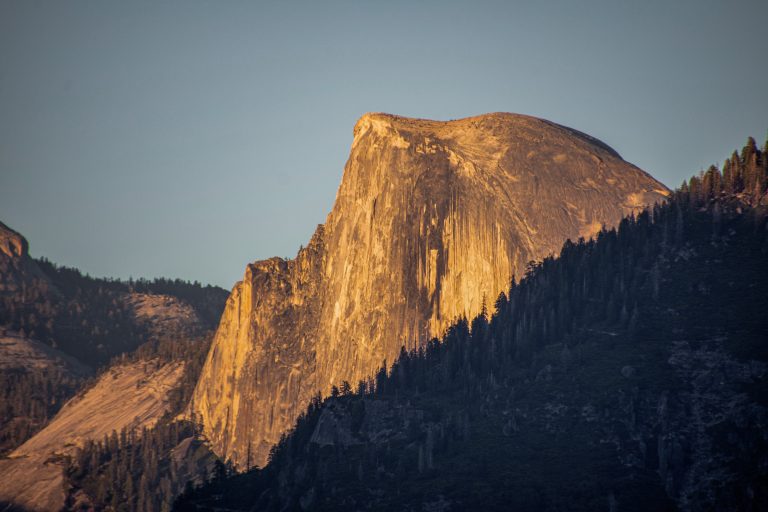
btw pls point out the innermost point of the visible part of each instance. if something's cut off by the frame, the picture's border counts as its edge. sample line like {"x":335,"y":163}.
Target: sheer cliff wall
{"x":429,"y":218}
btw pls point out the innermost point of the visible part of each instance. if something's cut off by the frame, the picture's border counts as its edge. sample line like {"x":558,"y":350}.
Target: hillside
{"x":131,"y":396}
{"x":143,"y":467}
{"x":627,"y":374}
{"x":128,"y":424}
{"x":51,"y":314}
{"x":429,"y":217}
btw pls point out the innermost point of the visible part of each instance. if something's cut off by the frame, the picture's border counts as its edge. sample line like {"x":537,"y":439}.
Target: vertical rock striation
{"x":430,"y":217}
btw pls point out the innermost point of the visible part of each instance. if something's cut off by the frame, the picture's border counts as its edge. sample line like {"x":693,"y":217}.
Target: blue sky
{"x":185,"y":139}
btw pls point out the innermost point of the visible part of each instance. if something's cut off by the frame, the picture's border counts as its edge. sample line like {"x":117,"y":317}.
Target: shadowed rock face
{"x":429,"y":218}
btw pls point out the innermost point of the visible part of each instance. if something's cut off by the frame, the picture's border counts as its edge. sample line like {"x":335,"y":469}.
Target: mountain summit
{"x":430,"y":218}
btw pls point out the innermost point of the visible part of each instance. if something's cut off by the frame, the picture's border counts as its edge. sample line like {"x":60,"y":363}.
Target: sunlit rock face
{"x":12,"y":244}
{"x":430,"y":217}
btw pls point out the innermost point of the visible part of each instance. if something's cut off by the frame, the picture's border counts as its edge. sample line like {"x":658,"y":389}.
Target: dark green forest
{"x":629,"y":373}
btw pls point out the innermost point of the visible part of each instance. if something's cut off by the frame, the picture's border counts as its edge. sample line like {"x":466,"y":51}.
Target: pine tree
{"x":501,"y":302}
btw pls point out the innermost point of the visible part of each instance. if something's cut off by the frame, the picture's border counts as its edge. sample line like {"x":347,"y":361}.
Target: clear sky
{"x":185,"y":139}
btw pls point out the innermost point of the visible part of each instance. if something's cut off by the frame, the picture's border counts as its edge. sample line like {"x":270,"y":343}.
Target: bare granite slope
{"x":429,"y":218}
{"x":161,"y":313}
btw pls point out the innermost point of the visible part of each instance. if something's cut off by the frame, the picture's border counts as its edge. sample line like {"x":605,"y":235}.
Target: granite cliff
{"x":430,"y":218}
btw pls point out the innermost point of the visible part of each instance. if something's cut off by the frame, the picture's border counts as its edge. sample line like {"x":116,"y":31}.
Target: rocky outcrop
{"x":430,"y":218}
{"x":17,"y":269}
{"x":12,"y":244}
